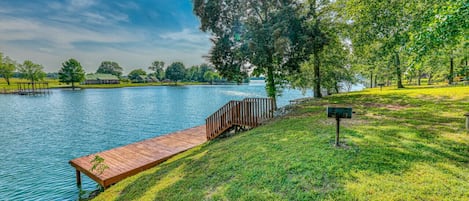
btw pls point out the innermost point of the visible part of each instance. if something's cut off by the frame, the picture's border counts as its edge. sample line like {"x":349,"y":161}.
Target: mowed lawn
{"x":4,"y":87}
{"x":408,"y":144}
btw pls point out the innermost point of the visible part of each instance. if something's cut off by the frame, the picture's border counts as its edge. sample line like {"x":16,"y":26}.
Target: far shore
{"x":54,"y":84}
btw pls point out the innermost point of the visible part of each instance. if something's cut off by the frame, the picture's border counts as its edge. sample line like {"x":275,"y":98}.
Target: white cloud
{"x":82,"y":3}
{"x":128,"y":58}
{"x":128,"y":5}
{"x":187,"y":35}
{"x":51,"y":39}
{"x":57,"y":44}
{"x":58,"y":35}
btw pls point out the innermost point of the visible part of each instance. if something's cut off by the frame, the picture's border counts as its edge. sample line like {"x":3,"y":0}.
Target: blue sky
{"x":132,"y":33}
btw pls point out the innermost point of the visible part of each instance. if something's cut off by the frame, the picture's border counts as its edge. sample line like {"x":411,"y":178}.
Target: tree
{"x":158,"y":68}
{"x":269,"y":35}
{"x":204,"y":68}
{"x":133,"y":75}
{"x":387,"y":23}
{"x":31,"y":71}
{"x":335,"y":68}
{"x":71,"y":72}
{"x":176,"y":71}
{"x":211,"y":76}
{"x":438,"y":24}
{"x":445,"y":25}
{"x":192,"y":74}
{"x":110,"y":67}
{"x":196,"y":73}
{"x":7,"y":67}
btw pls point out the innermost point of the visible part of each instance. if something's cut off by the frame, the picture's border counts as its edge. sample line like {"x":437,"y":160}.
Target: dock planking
{"x":131,"y":159}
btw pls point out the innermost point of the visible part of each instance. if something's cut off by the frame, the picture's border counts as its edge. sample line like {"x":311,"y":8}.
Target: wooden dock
{"x":131,"y":159}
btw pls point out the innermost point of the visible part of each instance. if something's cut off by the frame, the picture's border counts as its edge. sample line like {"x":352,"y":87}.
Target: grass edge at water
{"x":401,"y":145}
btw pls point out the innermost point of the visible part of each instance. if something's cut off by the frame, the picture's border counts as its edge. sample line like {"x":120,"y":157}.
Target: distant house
{"x":101,"y":79}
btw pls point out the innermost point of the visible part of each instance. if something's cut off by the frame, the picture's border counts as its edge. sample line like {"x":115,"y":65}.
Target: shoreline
{"x":124,"y":85}
{"x":109,"y":86}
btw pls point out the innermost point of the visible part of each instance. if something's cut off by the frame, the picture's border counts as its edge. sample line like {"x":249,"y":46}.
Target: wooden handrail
{"x":249,"y":112}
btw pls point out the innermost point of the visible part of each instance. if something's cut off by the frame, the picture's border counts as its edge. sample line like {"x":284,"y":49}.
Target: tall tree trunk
{"x":371,"y":79}
{"x":73,"y":86}
{"x":8,"y":80}
{"x":467,"y":71}
{"x":376,"y":80}
{"x":317,"y":76}
{"x":451,"y":70}
{"x":429,"y":82}
{"x":419,"y":76}
{"x":271,"y":88}
{"x":336,"y":87}
{"x":398,"y":71}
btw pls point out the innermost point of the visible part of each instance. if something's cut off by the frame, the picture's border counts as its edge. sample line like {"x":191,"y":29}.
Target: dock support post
{"x":78,"y":178}
{"x":337,"y":131}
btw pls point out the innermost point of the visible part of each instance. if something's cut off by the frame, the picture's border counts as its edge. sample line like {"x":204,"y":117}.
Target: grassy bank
{"x":91,"y":86}
{"x":4,"y":87}
{"x":54,"y":83}
{"x":405,"y":144}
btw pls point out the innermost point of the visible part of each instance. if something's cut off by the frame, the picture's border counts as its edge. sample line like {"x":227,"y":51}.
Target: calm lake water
{"x":40,"y":134}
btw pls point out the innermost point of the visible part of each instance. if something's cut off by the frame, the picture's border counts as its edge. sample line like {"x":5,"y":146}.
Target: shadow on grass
{"x":293,"y":158}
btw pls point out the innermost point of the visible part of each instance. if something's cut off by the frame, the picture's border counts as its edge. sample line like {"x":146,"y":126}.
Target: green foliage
{"x":197,"y":73}
{"x":270,"y":36}
{"x":110,"y":67}
{"x":385,"y":23}
{"x":31,"y":71}
{"x":158,"y":68}
{"x":71,"y":72}
{"x":7,"y":67}
{"x":98,"y":165}
{"x":211,"y":76}
{"x":336,"y":73}
{"x":439,"y":24}
{"x":176,"y":71}
{"x":406,"y":34}
{"x":194,"y":73}
{"x":400,"y":145}
{"x":133,"y":75}
{"x":228,"y":61}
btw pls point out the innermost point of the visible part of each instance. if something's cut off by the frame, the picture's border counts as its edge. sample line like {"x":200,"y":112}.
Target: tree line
{"x":330,"y":44}
{"x":72,"y":71}
{"x":177,"y":72}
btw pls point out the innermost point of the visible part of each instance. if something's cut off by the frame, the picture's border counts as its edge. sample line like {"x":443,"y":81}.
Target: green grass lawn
{"x":407,"y":144}
{"x":4,"y":87}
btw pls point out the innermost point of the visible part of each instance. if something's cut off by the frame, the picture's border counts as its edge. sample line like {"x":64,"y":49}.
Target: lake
{"x":40,"y":134}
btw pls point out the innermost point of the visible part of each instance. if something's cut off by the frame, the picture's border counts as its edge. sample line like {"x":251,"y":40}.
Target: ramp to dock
{"x":131,"y":159}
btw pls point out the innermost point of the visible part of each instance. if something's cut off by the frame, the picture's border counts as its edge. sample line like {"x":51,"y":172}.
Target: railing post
{"x":248,"y":112}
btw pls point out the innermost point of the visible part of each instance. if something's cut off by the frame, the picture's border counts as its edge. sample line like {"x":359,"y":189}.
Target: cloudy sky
{"x":132,"y":33}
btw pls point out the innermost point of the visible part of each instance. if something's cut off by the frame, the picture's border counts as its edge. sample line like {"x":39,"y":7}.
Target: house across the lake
{"x":101,"y":79}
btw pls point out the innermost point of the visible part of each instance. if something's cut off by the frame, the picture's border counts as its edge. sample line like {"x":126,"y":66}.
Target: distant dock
{"x":33,"y":88}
